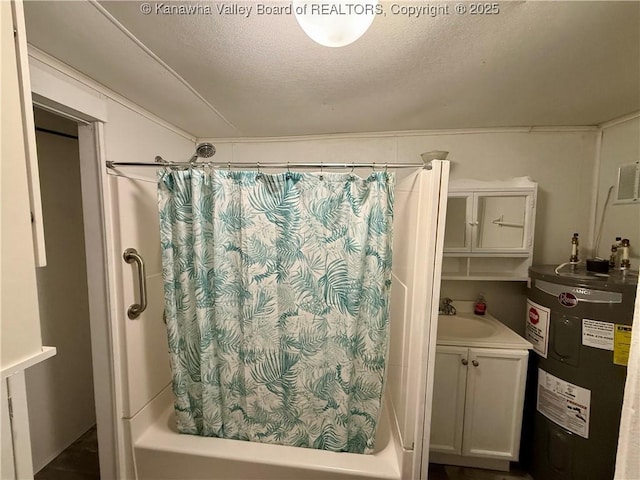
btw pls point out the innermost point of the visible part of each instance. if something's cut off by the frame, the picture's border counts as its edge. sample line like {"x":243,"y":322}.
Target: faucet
{"x":446,"y":307}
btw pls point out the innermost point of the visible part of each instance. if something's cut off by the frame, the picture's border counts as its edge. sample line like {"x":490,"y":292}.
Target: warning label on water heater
{"x":564,"y":403}
{"x":537,"y":327}
{"x":622,"y":345}
{"x":597,"y":334}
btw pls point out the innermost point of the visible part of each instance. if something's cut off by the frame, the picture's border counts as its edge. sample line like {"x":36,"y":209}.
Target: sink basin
{"x":465,"y":326}
{"x":468,"y":330}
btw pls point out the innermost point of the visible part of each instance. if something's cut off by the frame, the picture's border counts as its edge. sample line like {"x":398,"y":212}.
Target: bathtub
{"x":160,"y":452}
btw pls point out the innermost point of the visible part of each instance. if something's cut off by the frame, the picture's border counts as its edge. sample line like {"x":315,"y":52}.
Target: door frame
{"x":54,"y":93}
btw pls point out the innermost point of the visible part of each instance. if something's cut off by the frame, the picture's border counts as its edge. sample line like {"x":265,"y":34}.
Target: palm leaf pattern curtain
{"x":277,"y":303}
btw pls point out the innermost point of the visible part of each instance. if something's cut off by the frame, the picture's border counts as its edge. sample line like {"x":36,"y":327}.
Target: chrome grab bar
{"x":131,"y":255}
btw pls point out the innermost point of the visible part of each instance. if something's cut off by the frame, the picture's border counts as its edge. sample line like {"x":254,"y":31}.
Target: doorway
{"x":60,"y":391}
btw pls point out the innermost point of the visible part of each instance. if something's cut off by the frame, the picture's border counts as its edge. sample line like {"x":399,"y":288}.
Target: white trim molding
{"x":398,"y":133}
{"x":38,"y":58}
{"x":619,"y":120}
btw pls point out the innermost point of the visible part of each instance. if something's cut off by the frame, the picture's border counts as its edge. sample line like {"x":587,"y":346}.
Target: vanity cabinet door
{"x":447,"y":416}
{"x":494,"y":403}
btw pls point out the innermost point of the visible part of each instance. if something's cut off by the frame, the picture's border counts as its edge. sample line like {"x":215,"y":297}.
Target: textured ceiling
{"x":532,"y":64}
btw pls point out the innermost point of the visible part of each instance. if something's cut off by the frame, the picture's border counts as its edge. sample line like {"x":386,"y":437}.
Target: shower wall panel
{"x":416,"y":210}
{"x":404,"y":244}
{"x":142,"y":362}
{"x":143,"y":340}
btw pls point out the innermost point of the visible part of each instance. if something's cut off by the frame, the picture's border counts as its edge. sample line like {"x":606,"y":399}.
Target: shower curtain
{"x":277,"y":303}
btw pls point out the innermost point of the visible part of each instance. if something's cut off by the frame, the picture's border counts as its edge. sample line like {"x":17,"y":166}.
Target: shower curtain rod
{"x":219,"y":164}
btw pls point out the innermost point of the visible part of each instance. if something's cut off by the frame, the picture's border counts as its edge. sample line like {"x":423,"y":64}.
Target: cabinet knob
{"x":465,"y":361}
{"x":475,"y":363}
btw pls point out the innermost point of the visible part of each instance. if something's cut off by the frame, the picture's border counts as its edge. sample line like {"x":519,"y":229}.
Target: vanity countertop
{"x":465,"y":329}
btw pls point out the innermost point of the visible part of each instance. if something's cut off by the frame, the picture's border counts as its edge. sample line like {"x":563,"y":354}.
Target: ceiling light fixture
{"x":335,"y":23}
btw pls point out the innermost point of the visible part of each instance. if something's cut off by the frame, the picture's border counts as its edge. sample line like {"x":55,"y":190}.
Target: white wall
{"x":60,"y":391}
{"x":620,"y":145}
{"x":561,"y":161}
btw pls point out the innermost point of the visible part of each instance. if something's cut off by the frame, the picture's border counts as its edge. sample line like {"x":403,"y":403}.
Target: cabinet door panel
{"x":457,"y":231}
{"x":448,"y":400}
{"x":500,"y":222}
{"x":494,"y":403}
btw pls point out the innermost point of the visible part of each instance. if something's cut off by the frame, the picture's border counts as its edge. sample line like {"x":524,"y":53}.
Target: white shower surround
{"x":159,"y":452}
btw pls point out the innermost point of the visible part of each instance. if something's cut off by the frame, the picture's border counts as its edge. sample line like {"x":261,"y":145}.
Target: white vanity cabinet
{"x":489,"y":229}
{"x":477,"y":402}
{"x":478,"y":394}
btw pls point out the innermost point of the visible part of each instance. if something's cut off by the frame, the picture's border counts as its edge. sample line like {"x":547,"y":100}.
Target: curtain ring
{"x":288,"y":175}
{"x":321,"y":176}
{"x":228,"y":169}
{"x":164,"y":172}
{"x":259,"y":175}
{"x":353,"y":165}
{"x":165,"y":169}
{"x":373,"y":167}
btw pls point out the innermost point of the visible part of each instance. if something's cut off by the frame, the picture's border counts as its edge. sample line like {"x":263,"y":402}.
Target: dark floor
{"x":78,"y":462}
{"x":446,"y":472}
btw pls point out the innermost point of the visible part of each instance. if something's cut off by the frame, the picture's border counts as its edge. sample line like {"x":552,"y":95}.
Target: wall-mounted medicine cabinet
{"x":489,"y":229}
